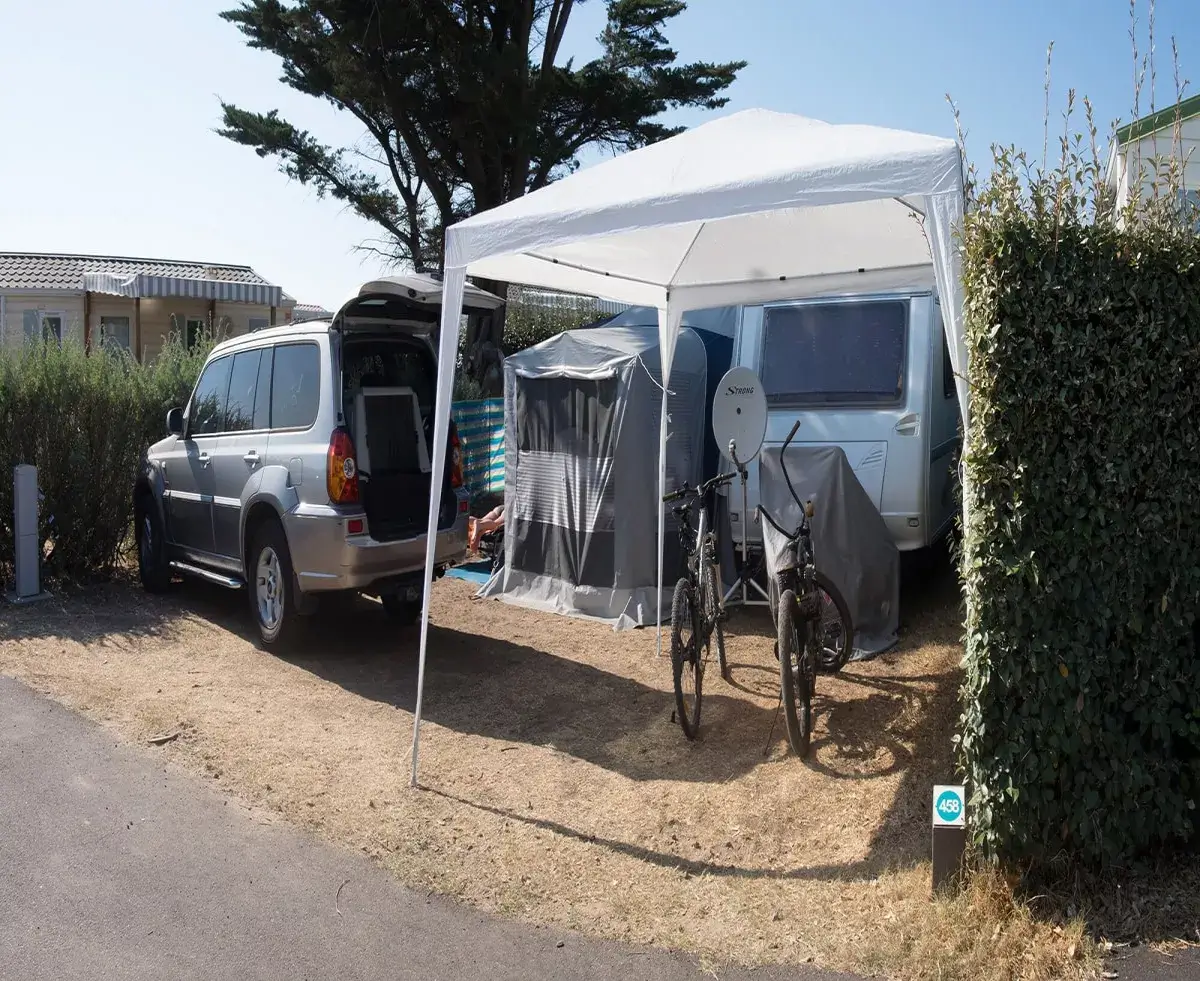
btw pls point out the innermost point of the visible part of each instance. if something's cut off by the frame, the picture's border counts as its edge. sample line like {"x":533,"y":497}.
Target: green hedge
{"x":527,"y":324}
{"x":84,"y":422}
{"x":1081,"y":564}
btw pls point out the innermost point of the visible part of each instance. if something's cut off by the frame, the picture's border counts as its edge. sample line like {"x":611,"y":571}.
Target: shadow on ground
{"x":90,"y":614}
{"x":516,"y":693}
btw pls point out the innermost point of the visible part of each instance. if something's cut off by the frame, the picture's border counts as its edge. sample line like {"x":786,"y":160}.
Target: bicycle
{"x":800,"y":598}
{"x":696,"y":606}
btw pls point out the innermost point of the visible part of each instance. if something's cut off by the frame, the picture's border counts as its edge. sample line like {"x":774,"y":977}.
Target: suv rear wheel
{"x":403,"y":611}
{"x":272,"y":587}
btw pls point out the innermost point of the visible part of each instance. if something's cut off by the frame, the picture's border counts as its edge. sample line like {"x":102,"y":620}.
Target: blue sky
{"x":107,"y":109}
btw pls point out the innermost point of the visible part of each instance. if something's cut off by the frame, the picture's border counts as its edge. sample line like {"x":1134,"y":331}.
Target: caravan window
{"x":566,"y":415}
{"x":835,"y":352}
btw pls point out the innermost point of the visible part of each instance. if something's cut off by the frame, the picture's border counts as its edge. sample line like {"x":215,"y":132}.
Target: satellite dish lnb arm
{"x":741,"y":469}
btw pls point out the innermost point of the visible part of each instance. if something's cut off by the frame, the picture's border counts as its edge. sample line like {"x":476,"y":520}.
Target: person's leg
{"x":478,"y":527}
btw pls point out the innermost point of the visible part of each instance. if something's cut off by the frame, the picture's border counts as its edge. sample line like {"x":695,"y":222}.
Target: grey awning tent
{"x":581,"y":470}
{"x":716,"y":328}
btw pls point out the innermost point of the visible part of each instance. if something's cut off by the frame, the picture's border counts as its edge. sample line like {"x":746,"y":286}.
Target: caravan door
{"x":944,"y":439}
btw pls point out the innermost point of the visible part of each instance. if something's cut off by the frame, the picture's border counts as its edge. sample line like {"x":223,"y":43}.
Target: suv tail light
{"x":456,"y":468}
{"x":341,"y":470}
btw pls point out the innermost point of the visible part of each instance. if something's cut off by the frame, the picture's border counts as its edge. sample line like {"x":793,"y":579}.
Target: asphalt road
{"x":1143,"y":964}
{"x":114,"y":867}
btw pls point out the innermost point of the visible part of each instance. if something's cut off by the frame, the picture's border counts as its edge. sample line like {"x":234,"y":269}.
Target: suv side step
{"x":229,"y":582}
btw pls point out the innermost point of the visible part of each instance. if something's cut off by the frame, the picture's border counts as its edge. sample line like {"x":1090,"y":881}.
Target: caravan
{"x":867,"y":371}
{"x":870,"y":373}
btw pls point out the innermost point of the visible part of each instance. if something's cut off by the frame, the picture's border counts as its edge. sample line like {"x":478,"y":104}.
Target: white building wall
{"x":1151,"y":156}
{"x":68,"y":306}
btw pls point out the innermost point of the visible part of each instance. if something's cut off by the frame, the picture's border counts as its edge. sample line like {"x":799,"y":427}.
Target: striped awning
{"x":142,"y":285}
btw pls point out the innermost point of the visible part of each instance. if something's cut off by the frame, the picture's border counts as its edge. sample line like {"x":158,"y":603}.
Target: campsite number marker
{"x":949,"y":833}
{"x":948,"y":806}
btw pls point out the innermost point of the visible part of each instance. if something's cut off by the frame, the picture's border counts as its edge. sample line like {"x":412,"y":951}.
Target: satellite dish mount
{"x":739,"y":422}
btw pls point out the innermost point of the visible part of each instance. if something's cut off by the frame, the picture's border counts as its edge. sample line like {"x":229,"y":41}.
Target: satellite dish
{"x":740,"y":414}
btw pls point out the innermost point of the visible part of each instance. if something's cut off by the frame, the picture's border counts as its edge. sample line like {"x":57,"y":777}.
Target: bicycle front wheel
{"x":835,"y":631}
{"x":713,"y":613}
{"x":794,"y":676}
{"x":687,"y":667}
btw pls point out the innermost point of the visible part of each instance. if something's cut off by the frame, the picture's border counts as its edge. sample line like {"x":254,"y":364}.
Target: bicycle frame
{"x":797,"y":570}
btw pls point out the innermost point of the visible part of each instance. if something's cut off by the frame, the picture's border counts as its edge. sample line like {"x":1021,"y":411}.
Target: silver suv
{"x":301,"y":465}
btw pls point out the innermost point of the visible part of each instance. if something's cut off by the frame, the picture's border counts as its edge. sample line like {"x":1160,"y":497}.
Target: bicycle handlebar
{"x":685,"y":490}
{"x":783,"y":463}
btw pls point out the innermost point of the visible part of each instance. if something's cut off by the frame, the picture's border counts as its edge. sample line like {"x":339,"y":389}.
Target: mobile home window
{"x":114,"y":333}
{"x":193,"y":331}
{"x":39,"y":325}
{"x":1189,"y":208}
{"x":835,"y":352}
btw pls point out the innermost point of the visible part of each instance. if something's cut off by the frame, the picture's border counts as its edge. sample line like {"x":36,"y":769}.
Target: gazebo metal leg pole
{"x":452,"y":296}
{"x":662,"y":490}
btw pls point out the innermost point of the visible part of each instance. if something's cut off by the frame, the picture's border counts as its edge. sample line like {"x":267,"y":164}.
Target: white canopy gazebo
{"x":752,"y":207}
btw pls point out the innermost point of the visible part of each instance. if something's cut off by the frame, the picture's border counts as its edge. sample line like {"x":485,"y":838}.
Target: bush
{"x":84,"y":421}
{"x":1081,"y":561}
{"x":527,"y":324}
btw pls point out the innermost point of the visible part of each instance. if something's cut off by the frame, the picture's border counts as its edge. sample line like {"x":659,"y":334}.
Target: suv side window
{"x":262,"y":392}
{"x":295,"y":386}
{"x":207,"y":413}
{"x":243,"y":380}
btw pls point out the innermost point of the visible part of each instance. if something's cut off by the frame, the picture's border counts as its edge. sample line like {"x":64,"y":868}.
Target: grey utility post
{"x":28,"y":558}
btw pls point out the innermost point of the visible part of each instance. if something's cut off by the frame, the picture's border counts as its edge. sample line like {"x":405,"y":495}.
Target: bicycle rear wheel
{"x":713,"y":613}
{"x":687,"y":668}
{"x":835,"y":631}
{"x":794,"y":674}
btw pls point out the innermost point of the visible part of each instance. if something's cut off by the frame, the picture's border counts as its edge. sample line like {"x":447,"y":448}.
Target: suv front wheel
{"x":272,"y":586}
{"x":152,"y":547}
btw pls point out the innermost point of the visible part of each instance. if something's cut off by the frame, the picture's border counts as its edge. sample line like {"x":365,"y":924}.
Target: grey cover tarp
{"x":850,"y":540}
{"x":581,"y":413}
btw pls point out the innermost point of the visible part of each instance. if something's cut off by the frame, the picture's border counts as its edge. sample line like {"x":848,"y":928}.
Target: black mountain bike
{"x":696,"y":608}
{"x":812,"y":620}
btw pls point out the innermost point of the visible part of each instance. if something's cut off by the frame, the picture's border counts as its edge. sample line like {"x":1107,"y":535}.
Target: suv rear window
{"x":295,"y":386}
{"x":835,"y":352}
{"x":389,"y":363}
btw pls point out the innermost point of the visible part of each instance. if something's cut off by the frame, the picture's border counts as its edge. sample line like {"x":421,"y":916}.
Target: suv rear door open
{"x":387,"y":377}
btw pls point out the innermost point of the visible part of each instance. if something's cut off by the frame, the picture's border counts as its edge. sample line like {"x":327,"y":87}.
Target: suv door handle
{"x":251,"y":458}
{"x":204,"y":460}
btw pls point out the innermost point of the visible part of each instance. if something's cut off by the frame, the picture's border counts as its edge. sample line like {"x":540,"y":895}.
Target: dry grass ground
{"x":555,"y":787}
